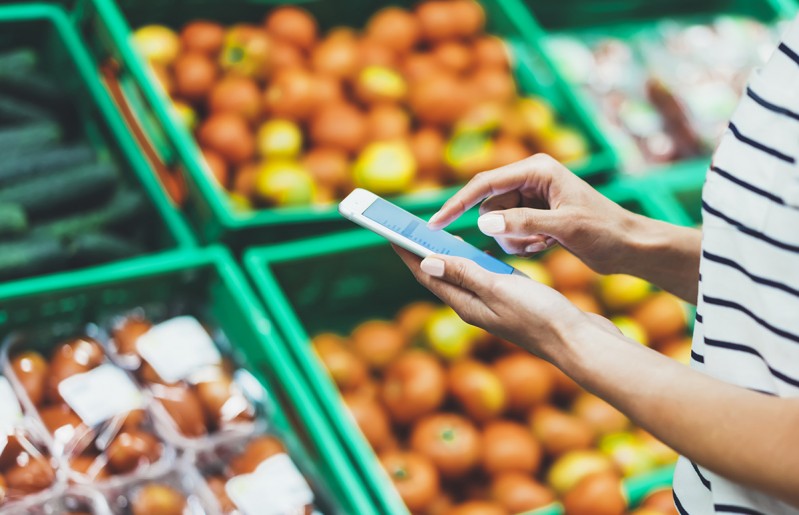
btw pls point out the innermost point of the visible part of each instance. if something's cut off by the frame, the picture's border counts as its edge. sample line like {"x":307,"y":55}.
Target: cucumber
{"x":22,"y":139}
{"x":46,"y":162}
{"x":13,"y":220}
{"x":98,"y":247}
{"x":54,"y":192}
{"x":13,"y":109}
{"x":38,"y":89}
{"x":123,"y":207}
{"x":31,"y":256}
{"x":17,"y":62}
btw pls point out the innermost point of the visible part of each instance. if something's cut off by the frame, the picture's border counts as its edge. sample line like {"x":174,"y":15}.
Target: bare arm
{"x":531,"y":205}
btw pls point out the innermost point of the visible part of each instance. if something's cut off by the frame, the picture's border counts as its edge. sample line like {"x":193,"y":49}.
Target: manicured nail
{"x":491,"y":224}
{"x":536,"y":247}
{"x":433,"y":266}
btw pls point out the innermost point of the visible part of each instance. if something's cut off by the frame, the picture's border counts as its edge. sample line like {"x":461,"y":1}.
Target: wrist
{"x":642,"y":238}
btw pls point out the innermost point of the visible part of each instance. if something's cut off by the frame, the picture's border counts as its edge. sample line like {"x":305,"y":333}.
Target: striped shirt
{"x":747,"y":321}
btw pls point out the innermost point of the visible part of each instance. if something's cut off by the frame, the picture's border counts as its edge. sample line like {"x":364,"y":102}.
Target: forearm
{"x":745,"y":436}
{"x":664,"y":254}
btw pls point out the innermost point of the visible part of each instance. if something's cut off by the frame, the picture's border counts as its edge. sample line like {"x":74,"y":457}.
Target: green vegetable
{"x":13,"y":109}
{"x":17,"y":62}
{"x":48,"y":194}
{"x":31,"y":256}
{"x":13,"y":220}
{"x":122,"y":207}
{"x":21,"y":139}
{"x":95,"y":247}
{"x":38,"y":89}
{"x":46,"y":162}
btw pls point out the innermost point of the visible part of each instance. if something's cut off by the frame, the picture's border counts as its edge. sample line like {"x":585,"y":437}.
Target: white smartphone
{"x":411,"y":232}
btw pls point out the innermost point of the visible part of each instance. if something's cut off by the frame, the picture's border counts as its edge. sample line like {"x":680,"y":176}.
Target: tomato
{"x":510,"y":446}
{"x":415,"y":385}
{"x":414,"y":476}
{"x":451,"y":441}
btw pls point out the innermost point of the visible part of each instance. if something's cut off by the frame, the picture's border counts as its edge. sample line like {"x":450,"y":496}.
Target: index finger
{"x":493,"y":182}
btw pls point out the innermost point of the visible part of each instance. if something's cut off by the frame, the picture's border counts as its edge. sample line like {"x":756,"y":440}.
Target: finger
{"x":461,"y":272}
{"x":523,"y":222}
{"x":532,"y":170}
{"x":526,"y":247}
{"x":501,"y":202}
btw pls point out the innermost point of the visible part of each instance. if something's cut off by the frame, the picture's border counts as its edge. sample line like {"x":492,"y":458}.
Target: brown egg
{"x":598,"y":414}
{"x":414,"y":385}
{"x":450,"y":441}
{"x":510,"y":447}
{"x":340,"y":125}
{"x":257,"y":450}
{"x":202,"y":36}
{"x":195,"y":75}
{"x":477,"y":389}
{"x":133,"y":419}
{"x":597,"y":494}
{"x":470,"y":17}
{"x":31,"y":370}
{"x":3,"y":489}
{"x":508,"y":150}
{"x":337,"y":56}
{"x":217,"y":486}
{"x":131,"y":448}
{"x":9,"y":453}
{"x":290,"y":95}
{"x":90,"y":466}
{"x":378,"y":342}
{"x":292,"y":25}
{"x":491,"y":85}
{"x":662,"y":316}
{"x":158,"y":499}
{"x":148,"y":374}
{"x":428,"y":146}
{"x":419,"y":65}
{"x":491,"y":52}
{"x":213,"y":396}
{"x":330,"y":167}
{"x":584,"y":301}
{"x":478,"y":508}
{"x":395,"y":28}
{"x":184,"y":407}
{"x":527,"y":380}
{"x":58,"y":416}
{"x":347,"y":370}
{"x":371,"y":418}
{"x":437,"y":20}
{"x":229,"y":135}
{"x":75,"y":357}
{"x":237,"y":95}
{"x":568,"y":272}
{"x":437,"y":99}
{"x":30,"y":474}
{"x":245,"y":178}
{"x":218,"y":166}
{"x":374,"y":53}
{"x":453,"y":56}
{"x":518,"y":492}
{"x":413,"y":317}
{"x":414,"y":476}
{"x":387,"y":122}
{"x":286,"y":55}
{"x":560,"y":432}
{"x":128,"y":332}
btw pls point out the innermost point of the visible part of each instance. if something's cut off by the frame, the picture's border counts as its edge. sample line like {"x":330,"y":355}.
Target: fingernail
{"x":491,"y":224}
{"x":536,"y":247}
{"x":433,"y":266}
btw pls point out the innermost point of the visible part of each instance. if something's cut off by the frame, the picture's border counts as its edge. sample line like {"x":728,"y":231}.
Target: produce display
{"x":63,"y":202}
{"x":667,"y":91}
{"x":286,"y":115}
{"x":466,"y":423}
{"x":153,"y":417}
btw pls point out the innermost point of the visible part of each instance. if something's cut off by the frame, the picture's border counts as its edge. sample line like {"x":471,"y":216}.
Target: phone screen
{"x":415,"y":229}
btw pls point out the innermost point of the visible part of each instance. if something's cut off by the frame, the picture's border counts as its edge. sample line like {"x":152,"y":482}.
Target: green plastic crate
{"x":47,"y":29}
{"x":624,"y":19}
{"x":207,"y":284}
{"x":209,"y":207}
{"x":334,"y":282}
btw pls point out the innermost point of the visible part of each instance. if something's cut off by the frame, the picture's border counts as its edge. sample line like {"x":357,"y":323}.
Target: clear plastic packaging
{"x":94,"y":416}
{"x":76,"y":500}
{"x":198,"y":399}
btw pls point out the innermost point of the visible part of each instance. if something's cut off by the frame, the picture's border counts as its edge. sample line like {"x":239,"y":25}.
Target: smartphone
{"x":411,"y":232}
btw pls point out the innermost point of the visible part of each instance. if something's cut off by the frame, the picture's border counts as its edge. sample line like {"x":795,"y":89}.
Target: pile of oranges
{"x":465,"y":423}
{"x":286,"y":115}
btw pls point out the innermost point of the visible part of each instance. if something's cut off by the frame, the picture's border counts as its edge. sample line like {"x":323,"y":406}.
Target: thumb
{"x":521,"y":222}
{"x":461,"y":272}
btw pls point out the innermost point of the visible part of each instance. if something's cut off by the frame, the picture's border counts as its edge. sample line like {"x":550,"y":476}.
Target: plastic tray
{"x":334,"y":282}
{"x":47,"y":29}
{"x":208,"y":284}
{"x":208,"y":205}
{"x":625,"y":18}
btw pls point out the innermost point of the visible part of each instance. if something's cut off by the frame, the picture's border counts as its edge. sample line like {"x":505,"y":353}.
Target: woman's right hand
{"x":535,"y":203}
